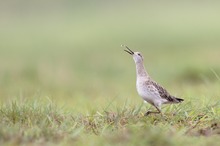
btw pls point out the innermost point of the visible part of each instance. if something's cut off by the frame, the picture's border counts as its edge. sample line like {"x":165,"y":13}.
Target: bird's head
{"x":136,"y":55}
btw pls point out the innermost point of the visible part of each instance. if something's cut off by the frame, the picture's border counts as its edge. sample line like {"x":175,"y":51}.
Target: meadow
{"x":65,"y":80}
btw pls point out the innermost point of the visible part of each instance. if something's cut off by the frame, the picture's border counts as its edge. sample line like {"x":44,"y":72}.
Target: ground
{"x":65,"y":80}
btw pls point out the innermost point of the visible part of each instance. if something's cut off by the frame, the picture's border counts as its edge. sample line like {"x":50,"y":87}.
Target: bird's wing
{"x":163,"y":92}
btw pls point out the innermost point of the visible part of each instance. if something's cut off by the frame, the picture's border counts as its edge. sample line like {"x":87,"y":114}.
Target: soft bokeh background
{"x":69,"y":51}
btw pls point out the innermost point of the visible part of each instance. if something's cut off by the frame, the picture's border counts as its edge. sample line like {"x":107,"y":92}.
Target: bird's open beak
{"x":128,"y":50}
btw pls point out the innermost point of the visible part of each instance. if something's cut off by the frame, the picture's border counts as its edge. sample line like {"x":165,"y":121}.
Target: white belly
{"x":148,"y":94}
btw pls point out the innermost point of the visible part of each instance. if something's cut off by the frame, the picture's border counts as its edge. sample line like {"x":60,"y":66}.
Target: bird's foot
{"x":147,"y":113}
{"x":151,"y":112}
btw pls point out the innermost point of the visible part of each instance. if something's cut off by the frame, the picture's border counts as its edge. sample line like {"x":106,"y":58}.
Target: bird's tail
{"x":179,"y":99}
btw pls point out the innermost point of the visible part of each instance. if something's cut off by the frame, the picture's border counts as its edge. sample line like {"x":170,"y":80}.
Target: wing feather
{"x":162,"y":92}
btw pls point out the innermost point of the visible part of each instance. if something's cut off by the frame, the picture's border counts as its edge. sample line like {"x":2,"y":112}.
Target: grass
{"x":65,"y":80}
{"x":41,"y":123}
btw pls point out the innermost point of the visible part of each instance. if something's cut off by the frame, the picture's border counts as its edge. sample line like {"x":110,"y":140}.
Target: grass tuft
{"x":36,"y":121}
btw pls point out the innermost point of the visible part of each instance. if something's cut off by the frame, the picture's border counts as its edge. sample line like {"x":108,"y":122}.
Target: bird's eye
{"x":139,"y":54}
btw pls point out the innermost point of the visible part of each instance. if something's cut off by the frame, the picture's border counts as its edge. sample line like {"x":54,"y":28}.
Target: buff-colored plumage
{"x":147,"y":88}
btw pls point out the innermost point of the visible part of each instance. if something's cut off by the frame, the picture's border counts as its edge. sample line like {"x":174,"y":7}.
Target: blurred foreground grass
{"x":37,"y":123}
{"x":65,"y":79}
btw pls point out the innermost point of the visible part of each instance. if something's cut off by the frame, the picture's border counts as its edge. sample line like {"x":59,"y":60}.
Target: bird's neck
{"x":140,"y":71}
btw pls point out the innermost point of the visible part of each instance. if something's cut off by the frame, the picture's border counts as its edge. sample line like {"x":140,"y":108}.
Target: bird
{"x":150,"y":91}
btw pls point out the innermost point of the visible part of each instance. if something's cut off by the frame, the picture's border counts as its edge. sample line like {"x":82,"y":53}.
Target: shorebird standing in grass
{"x":147,"y":88}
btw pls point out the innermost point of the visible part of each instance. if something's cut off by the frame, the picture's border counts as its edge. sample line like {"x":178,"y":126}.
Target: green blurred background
{"x":69,"y":51}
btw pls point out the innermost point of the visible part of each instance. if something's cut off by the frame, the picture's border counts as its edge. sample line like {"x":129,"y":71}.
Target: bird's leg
{"x":155,"y":112}
{"x":150,"y":112}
